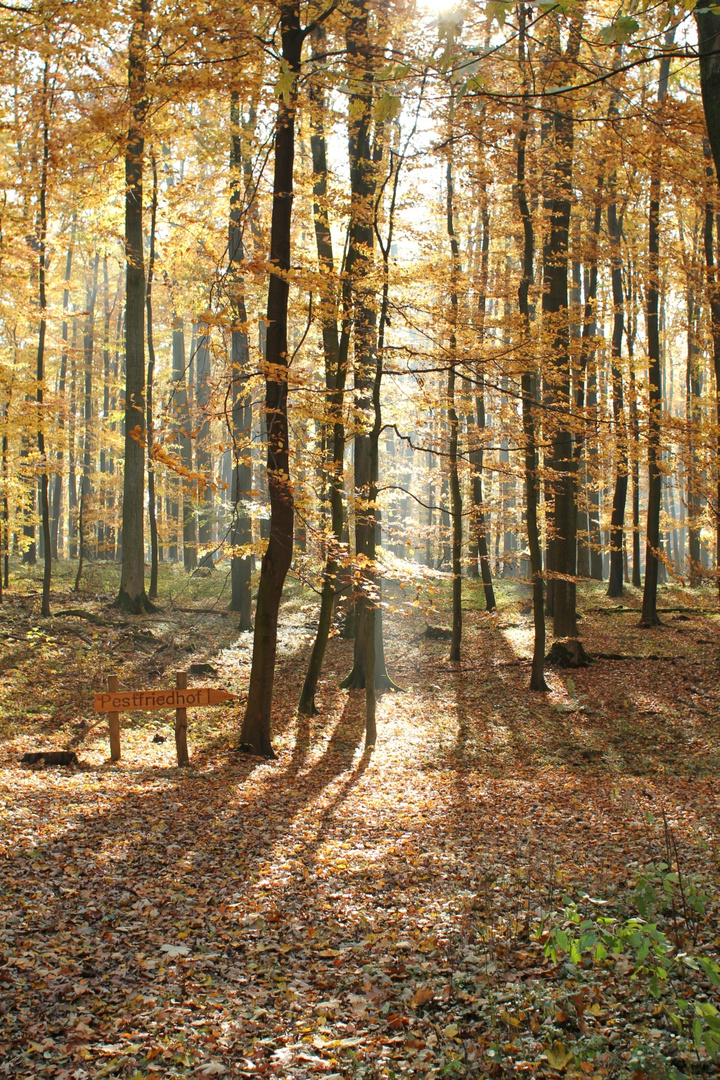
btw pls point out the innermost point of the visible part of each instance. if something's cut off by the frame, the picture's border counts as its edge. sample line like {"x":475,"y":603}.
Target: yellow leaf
{"x":421,"y":997}
{"x":558,"y":1057}
{"x":450,"y":1031}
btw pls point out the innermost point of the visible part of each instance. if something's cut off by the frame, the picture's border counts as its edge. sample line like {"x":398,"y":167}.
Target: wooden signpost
{"x":115,"y":701}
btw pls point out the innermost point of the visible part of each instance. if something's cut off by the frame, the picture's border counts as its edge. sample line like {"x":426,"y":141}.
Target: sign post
{"x":181,"y":723}
{"x":180,"y":699}
{"x":114,"y":721}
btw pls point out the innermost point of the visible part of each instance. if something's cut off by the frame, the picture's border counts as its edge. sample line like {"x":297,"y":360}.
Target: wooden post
{"x":114,"y":721}
{"x":181,"y":723}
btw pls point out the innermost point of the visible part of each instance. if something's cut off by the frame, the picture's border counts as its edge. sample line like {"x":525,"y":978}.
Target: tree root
{"x":568,"y":654}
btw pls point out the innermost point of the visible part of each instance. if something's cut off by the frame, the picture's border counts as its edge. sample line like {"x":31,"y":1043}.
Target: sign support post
{"x":114,"y":721}
{"x":183,"y":758}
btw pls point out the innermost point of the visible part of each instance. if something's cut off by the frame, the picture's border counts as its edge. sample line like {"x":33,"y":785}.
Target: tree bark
{"x":617,"y":522}
{"x":650,"y":615}
{"x":241,"y":406}
{"x":455,"y":494}
{"x":335,"y":353}
{"x":40,"y":366}
{"x":358,"y":267}
{"x":479,"y":543}
{"x":529,"y":394}
{"x":557,"y":203}
{"x":88,"y":359}
{"x":152,"y":502}
{"x":132,"y":597}
{"x":278,"y":556}
{"x":708,"y":24}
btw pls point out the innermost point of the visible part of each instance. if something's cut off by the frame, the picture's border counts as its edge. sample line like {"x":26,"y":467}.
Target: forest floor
{"x":342,"y":914}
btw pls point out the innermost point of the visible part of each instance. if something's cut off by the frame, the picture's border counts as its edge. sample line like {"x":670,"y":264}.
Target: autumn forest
{"x":359,"y":539}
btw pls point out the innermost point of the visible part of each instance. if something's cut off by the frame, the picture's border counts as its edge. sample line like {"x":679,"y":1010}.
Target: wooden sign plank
{"x":150,"y":700}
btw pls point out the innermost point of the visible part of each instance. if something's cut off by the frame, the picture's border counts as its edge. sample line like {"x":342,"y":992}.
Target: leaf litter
{"x":341,"y":914}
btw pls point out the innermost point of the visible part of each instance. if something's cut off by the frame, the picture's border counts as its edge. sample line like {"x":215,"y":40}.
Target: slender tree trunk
{"x":152,"y":501}
{"x":652,"y":547}
{"x":455,"y":494}
{"x":335,"y":352}
{"x":40,"y":367}
{"x":617,"y":523}
{"x":587,"y":357}
{"x":529,"y":394}
{"x":278,"y":556}
{"x":103,"y":527}
{"x":182,"y":383}
{"x":203,"y":456}
{"x":56,"y":532}
{"x":241,"y":405}
{"x":132,"y":596}
{"x":72,"y":428}
{"x":88,"y":358}
{"x":693,"y":415}
{"x":479,"y":545}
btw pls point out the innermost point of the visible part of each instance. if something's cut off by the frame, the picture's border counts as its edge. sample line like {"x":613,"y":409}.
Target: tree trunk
{"x":617,"y":522}
{"x":455,"y":495}
{"x":693,"y":417}
{"x":152,"y":502}
{"x":708,"y":24}
{"x":40,"y":366}
{"x":241,"y":405}
{"x":358,"y":267}
{"x":479,"y":543}
{"x":557,"y":203}
{"x":335,"y":352}
{"x":587,"y":357}
{"x":88,"y":360}
{"x":278,"y":556}
{"x":182,"y":383}
{"x":203,"y":456}
{"x":529,"y":394}
{"x":132,"y":597}
{"x":55,"y":530}
{"x":652,"y":547}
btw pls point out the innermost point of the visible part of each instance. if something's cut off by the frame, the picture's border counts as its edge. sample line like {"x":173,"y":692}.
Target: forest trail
{"x":334,"y":913}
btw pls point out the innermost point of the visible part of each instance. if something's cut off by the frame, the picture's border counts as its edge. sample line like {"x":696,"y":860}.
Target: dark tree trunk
{"x":617,"y":522}
{"x":557,"y":203}
{"x":278,"y":556}
{"x":708,"y":24}
{"x":132,"y":596}
{"x":652,"y":547}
